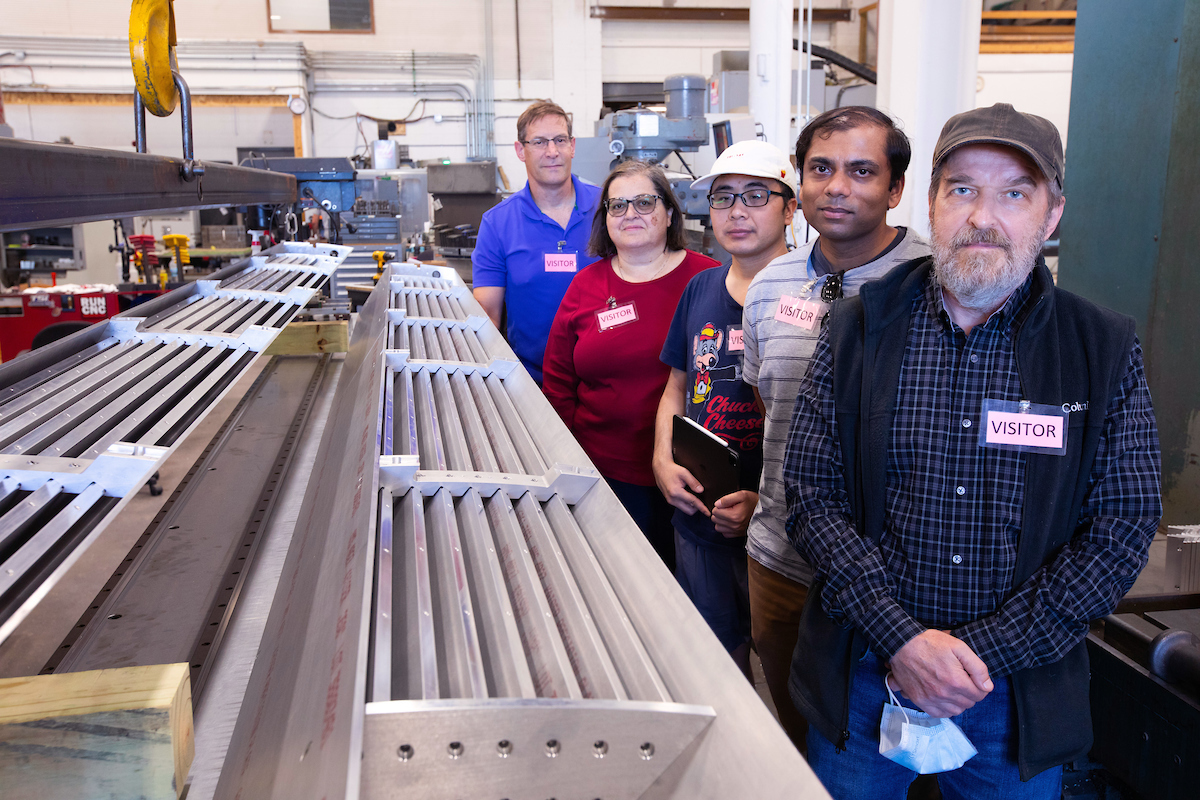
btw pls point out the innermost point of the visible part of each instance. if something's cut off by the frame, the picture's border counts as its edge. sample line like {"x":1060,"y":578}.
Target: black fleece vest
{"x":1068,"y":350}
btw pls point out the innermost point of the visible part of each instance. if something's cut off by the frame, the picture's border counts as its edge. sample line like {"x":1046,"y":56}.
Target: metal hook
{"x":139,"y":121}
{"x":191,"y":169}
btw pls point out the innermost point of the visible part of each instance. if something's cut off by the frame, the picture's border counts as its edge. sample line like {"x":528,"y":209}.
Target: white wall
{"x":219,"y":132}
{"x":1037,"y":83}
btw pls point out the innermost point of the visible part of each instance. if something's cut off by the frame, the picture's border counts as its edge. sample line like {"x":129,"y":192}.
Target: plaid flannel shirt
{"x":953,"y":509}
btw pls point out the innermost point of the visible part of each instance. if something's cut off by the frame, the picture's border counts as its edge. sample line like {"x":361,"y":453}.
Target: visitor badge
{"x":616,"y":316}
{"x":734,"y":341}
{"x":1024,"y":426}
{"x":560,"y":262}
{"x":806,"y":314}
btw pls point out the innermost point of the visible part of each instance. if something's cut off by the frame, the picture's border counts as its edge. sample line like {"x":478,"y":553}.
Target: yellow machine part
{"x":380,"y":257}
{"x":152,"y":51}
{"x":179,"y":243}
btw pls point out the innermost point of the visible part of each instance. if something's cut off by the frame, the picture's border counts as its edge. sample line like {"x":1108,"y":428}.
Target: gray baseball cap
{"x":1034,"y":136}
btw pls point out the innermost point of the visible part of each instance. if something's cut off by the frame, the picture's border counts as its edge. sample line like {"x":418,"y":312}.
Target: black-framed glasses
{"x":642,"y":204}
{"x":752,"y":198}
{"x":538,"y":143}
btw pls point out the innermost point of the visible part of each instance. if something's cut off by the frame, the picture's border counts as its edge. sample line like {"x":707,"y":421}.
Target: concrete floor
{"x":32,"y":644}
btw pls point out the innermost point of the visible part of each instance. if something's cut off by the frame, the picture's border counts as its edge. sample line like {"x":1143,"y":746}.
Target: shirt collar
{"x":1006,"y":319}
{"x":531,"y":210}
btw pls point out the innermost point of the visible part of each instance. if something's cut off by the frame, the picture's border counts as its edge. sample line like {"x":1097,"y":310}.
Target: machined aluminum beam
{"x":469,"y":611}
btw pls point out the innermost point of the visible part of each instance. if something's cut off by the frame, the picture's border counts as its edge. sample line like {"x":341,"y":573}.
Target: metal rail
{"x":53,"y":184}
{"x":86,"y":422}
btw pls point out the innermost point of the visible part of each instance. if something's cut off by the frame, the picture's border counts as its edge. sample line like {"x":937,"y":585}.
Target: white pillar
{"x":771,"y":33}
{"x":928,"y":64}
{"x":578,"y":81}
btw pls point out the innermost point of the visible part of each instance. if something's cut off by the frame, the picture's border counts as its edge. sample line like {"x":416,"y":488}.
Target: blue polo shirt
{"x":514,"y":239}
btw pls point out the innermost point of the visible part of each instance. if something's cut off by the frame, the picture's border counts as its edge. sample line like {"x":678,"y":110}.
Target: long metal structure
{"x":467,"y":610}
{"x":52,"y":184}
{"x":86,"y":421}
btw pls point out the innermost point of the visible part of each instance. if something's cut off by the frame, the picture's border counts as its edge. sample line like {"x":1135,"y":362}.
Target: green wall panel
{"x":1130,"y":235}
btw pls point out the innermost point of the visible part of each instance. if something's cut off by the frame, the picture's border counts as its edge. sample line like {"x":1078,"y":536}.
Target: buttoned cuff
{"x":888,"y":627}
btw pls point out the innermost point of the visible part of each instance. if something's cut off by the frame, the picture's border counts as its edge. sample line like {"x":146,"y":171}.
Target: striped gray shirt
{"x":775,"y":358}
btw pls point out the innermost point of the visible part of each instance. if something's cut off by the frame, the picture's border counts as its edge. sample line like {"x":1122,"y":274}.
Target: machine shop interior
{"x":283,"y":515}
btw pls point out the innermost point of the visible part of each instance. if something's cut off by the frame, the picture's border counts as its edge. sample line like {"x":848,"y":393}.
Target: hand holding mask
{"x":920,"y":742}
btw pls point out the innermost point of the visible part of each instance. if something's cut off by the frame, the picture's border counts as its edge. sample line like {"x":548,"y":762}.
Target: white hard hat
{"x":751,"y":157}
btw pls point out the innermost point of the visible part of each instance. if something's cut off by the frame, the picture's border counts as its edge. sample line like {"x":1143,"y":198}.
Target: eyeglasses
{"x":642,"y":204}
{"x":754,"y":198}
{"x":541,"y":144}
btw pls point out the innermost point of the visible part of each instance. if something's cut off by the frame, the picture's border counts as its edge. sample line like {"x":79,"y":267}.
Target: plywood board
{"x":311,"y":338}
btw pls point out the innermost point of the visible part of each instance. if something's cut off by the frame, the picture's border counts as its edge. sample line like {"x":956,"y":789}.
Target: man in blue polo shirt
{"x":532,"y":244}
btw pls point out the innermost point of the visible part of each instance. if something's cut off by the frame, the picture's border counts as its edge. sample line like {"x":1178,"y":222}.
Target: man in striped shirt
{"x":851,"y":163}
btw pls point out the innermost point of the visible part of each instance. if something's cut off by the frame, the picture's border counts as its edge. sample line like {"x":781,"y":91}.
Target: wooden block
{"x":108,"y":733}
{"x":309,"y":338}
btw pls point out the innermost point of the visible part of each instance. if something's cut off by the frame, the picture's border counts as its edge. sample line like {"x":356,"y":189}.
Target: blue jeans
{"x":715,"y":579}
{"x":860,"y":771}
{"x":652,"y":514}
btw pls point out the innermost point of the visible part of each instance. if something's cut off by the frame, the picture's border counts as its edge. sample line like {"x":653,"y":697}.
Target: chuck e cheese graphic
{"x":719,"y":389}
{"x":706,"y":353}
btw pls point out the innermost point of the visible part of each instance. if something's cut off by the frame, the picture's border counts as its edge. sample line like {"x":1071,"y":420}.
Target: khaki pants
{"x":775,"y":605}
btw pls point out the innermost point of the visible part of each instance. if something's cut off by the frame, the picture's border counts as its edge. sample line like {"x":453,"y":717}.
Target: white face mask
{"x":920,"y":742}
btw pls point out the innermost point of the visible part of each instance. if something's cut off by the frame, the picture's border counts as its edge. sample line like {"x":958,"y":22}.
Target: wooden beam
{"x":297,"y":135}
{"x":1027,"y":47}
{"x":1029,"y":14}
{"x":991,"y":38}
{"x":311,"y":338}
{"x":1028,"y":30}
{"x":677,"y":14}
{"x":105,"y":733}
{"x":115,"y":99}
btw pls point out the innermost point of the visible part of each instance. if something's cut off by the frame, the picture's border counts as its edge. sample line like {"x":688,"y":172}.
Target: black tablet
{"x":706,"y":456}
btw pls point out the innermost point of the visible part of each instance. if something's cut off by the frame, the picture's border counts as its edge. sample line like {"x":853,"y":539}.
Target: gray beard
{"x":982,"y":281}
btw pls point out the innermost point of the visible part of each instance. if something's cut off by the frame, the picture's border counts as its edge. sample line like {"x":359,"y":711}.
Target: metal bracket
{"x":401,"y":473}
{"x":191,"y":169}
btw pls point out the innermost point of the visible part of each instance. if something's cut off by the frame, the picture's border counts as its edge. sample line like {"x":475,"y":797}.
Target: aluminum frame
{"x":468,"y":602}
{"x":95,"y":414}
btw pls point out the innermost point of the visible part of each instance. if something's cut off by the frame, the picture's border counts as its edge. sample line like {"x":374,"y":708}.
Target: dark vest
{"x":1068,"y":349}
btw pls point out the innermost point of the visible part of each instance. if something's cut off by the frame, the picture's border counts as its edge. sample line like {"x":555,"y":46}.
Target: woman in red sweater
{"x":602,"y":371}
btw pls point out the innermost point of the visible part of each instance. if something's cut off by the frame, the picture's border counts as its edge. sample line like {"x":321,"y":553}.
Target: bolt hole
{"x":647,"y":751}
{"x":504,"y":748}
{"x":455,"y":749}
{"x":114,"y":616}
{"x":404,"y":752}
{"x":600,"y":747}
{"x":552,"y":748}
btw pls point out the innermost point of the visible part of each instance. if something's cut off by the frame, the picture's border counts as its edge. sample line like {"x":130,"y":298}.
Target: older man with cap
{"x":752,"y":201}
{"x":973,"y":472}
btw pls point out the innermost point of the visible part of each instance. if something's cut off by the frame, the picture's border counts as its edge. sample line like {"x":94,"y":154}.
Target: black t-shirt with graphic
{"x":705,"y":340}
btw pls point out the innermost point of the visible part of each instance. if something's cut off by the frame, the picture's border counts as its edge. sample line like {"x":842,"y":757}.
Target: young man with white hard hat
{"x":752,"y":201}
